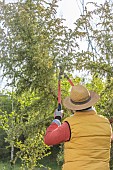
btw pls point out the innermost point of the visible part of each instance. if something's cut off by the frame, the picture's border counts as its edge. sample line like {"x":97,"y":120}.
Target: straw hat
{"x":80,"y":98}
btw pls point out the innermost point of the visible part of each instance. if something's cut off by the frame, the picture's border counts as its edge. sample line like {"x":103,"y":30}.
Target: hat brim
{"x":68,"y":104}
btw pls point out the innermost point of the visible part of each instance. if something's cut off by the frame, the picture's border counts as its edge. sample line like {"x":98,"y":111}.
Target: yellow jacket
{"x":90,"y":142}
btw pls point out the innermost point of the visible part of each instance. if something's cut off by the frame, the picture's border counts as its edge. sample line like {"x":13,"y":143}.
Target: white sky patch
{"x":72,"y":9}
{"x":10,"y":1}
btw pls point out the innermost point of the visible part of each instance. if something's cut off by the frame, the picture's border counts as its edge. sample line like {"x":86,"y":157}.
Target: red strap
{"x":71,"y":82}
{"x":65,"y":75}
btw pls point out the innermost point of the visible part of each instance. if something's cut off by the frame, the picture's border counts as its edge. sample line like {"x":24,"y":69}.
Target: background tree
{"x":34,"y":42}
{"x":5,"y":105}
{"x":97,"y":29}
{"x":24,"y":127}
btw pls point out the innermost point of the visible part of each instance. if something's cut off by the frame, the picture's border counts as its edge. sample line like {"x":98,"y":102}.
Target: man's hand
{"x":58,"y":114}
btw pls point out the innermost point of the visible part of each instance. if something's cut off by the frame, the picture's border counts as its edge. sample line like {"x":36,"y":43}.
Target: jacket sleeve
{"x":56,"y":134}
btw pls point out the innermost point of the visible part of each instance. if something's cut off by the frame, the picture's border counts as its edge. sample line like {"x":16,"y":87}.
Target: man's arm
{"x":56,"y":133}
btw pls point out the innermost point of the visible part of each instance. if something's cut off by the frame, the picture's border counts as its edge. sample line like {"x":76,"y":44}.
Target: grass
{"x":46,"y":162}
{"x":7,"y":166}
{"x":49,"y":163}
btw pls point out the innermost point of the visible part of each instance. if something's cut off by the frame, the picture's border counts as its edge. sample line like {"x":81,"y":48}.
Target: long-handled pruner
{"x":59,"y":89}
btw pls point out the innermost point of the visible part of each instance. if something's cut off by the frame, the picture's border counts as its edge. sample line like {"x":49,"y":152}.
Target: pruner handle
{"x":59,"y":107}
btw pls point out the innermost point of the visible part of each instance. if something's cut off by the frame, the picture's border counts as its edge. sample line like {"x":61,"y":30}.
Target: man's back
{"x":89,"y":146}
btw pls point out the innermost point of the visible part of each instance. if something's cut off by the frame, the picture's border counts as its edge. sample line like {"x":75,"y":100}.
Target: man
{"x":86,"y":134}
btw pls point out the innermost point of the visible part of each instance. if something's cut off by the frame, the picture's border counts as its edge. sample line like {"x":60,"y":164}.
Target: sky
{"x":69,"y":10}
{"x":72,"y":9}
